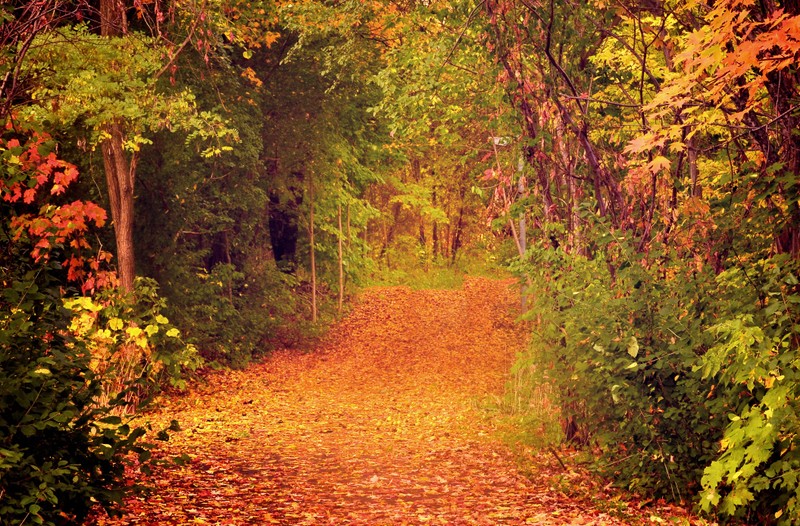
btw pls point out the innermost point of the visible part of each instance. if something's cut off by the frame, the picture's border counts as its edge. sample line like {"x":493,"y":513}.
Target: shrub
{"x":623,"y":349}
{"x":63,"y":444}
{"x":60,"y":451}
{"x":756,"y":474}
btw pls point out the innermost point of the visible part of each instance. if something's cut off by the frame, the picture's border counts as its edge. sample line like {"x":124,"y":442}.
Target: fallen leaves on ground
{"x":382,"y":424}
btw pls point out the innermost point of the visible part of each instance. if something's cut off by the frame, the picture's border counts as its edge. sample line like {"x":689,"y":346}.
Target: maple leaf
{"x":643,"y":143}
{"x":67,"y":176}
{"x":659,"y":164}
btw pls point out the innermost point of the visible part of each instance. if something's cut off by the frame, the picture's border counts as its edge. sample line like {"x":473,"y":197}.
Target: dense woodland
{"x":190,"y":182}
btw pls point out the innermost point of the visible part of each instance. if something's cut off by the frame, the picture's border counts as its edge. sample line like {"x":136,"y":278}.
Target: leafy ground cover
{"x":384,"y":423}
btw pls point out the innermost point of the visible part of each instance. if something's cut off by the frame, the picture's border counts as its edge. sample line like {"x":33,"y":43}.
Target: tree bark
{"x":434,"y":229}
{"x":120,"y":178}
{"x":349,"y":235}
{"x":341,"y":260}
{"x":120,"y":168}
{"x":457,"y":235}
{"x":389,"y":232}
{"x":313,"y":252}
{"x":113,"y":20}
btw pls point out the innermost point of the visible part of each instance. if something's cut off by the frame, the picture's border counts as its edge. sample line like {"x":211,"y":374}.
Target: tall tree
{"x":120,"y":166}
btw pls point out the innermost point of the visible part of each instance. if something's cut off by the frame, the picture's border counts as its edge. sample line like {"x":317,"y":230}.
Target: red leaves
{"x":56,"y":225}
{"x":64,"y":227}
{"x":31,"y":171}
{"x":63,"y":179}
{"x":31,"y":166}
{"x":29,"y":195}
{"x":737,"y":45}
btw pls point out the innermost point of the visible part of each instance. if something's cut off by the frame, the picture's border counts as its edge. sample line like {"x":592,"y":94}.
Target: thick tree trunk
{"x":119,"y":167}
{"x":120,"y":180}
{"x":389,"y":232}
{"x":283,"y":220}
{"x":113,"y":20}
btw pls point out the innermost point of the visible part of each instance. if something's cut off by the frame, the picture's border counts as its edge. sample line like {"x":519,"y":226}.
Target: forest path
{"x":382,"y":424}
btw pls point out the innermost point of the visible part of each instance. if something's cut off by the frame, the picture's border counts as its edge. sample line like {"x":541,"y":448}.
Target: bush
{"x":60,"y":451}
{"x":623,"y":349}
{"x":756,"y":474}
{"x":63,"y":447}
{"x":233,"y":316}
{"x":686,"y":380}
{"x":132,"y":344}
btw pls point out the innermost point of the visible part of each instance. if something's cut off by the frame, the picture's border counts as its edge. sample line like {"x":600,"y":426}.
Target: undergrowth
{"x":414,"y":267}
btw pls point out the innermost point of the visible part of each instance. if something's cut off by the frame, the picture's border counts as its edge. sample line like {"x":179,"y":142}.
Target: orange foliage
{"x":738,"y":49}
{"x":379,"y":425}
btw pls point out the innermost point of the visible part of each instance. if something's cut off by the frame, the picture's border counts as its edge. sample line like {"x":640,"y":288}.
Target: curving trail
{"x":380,"y":425}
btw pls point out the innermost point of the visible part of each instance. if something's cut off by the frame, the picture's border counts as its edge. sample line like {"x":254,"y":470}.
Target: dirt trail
{"x":380,"y":425}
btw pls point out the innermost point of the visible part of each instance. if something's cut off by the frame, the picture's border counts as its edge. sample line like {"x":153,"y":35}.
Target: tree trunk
{"x":697,"y":190}
{"x":313,"y":254}
{"x":229,"y":261}
{"x":434,"y":230}
{"x":349,"y":235}
{"x":457,"y":235}
{"x":341,"y":260}
{"x":389,"y":232}
{"x":523,"y":231}
{"x":572,"y":197}
{"x":113,"y":20}
{"x":120,"y":169}
{"x":120,"y":181}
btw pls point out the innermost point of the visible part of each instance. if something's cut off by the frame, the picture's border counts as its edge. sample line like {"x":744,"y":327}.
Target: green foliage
{"x":622,"y":350}
{"x":755,"y":353}
{"x":209,"y":247}
{"x":61,"y":449}
{"x":686,"y":381}
{"x":234,"y":316}
{"x":91,"y":82}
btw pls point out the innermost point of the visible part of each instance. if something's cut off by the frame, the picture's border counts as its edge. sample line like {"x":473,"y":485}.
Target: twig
{"x":555,"y":454}
{"x":183,"y":44}
{"x":751,"y":129}
{"x":600,"y":101}
{"x":460,"y":36}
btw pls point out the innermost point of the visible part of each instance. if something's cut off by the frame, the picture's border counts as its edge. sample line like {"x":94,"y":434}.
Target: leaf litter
{"x":381,"y":424}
